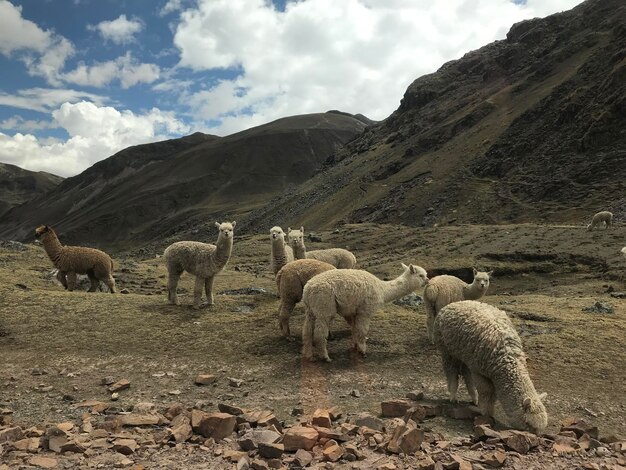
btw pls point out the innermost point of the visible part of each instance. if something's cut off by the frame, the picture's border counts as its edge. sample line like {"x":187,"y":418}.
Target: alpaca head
{"x":276,"y":233}
{"x":295,"y":237}
{"x":481,"y":280}
{"x":534,"y":413}
{"x":416,"y":274}
{"x":226,"y":229}
{"x":42,"y":231}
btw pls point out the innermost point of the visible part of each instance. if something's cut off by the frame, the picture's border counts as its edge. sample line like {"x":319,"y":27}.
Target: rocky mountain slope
{"x":151,"y":191}
{"x":18,"y":185}
{"x":529,"y":128}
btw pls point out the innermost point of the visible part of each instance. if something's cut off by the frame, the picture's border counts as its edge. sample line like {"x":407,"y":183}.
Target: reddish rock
{"x":11,"y":434}
{"x":431,"y":409}
{"x":271,"y":451}
{"x":258,"y":464}
{"x":30,"y":444}
{"x":321,"y":418}
{"x":335,"y":413}
{"x":174,"y":410}
{"x":417,"y":413}
{"x":56,"y":442}
{"x":325,"y":433}
{"x":73,"y":446}
{"x":43,"y":462}
{"x":333,"y":452}
{"x":119,"y":386}
{"x":234,"y":455}
{"x":386,"y":466}
{"x":139,"y":419}
{"x":124,"y":446}
{"x":565,"y":445}
{"x":299,"y":437}
{"x":196,"y":418}
{"x":405,"y":439}
{"x":484,"y":431}
{"x":369,"y":421}
{"x":303,"y":457}
{"x":426,"y":464}
{"x":580,"y":427}
{"x":520,"y":441}
{"x":394,"y":408}
{"x":180,"y":428}
{"x":204,"y":379}
{"x":217,"y":425}
{"x":494,"y":459}
{"x":230,"y":409}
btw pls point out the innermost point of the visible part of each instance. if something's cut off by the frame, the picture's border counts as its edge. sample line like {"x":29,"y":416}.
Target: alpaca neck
{"x":514,"y":383}
{"x":473,"y":291}
{"x":52,"y":245}
{"x":278,"y":246}
{"x":396,"y":288}
{"x":299,"y":251}
{"x":224,"y":248}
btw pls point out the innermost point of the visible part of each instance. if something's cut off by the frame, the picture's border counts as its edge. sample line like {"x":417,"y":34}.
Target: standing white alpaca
{"x":338,"y":257}
{"x":601,"y":218}
{"x":281,"y":253}
{"x":203,"y":260}
{"x":355,"y":295}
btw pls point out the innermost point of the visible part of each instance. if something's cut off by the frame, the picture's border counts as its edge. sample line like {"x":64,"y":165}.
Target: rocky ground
{"x":101,"y":381}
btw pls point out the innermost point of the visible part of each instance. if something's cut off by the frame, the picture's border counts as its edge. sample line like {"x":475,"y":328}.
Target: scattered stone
{"x":10,"y":434}
{"x":600,"y":307}
{"x":235,"y":382}
{"x":415,"y":395}
{"x":367,"y":420}
{"x":412,"y":300}
{"x":180,"y":428}
{"x":245,"y":291}
{"x":271,"y":451}
{"x":520,"y":441}
{"x":303,"y":457}
{"x":251,"y":439}
{"x":406,"y":439}
{"x":234,"y":455}
{"x":335,"y":413}
{"x":580,"y":427}
{"x":333,"y":452}
{"x":321,"y":418}
{"x":30,"y":444}
{"x":484,"y":431}
{"x":204,"y":379}
{"x":258,"y":464}
{"x":416,"y":413}
{"x":355,"y":393}
{"x":298,"y":411}
{"x":217,"y":425}
{"x":394,"y":408}
{"x":244,"y":463}
{"x":230,"y":409}
{"x":139,"y":419}
{"x":124,"y":446}
{"x":43,"y":462}
{"x":426,"y":464}
{"x":120,"y":385}
{"x":496,"y":458}
{"x":564,"y":445}
{"x":300,"y":437}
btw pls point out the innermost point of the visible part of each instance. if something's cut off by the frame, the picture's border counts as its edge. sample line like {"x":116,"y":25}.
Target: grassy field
{"x":56,"y":346}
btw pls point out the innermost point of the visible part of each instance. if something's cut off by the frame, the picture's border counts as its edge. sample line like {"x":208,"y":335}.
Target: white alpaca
{"x":601,"y":218}
{"x":444,"y":289}
{"x":203,"y":260}
{"x":281,"y":253}
{"x":355,"y":295}
{"x":338,"y":257}
{"x":481,"y":339}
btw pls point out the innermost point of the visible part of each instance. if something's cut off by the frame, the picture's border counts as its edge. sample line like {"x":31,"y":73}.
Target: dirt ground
{"x":56,"y":346}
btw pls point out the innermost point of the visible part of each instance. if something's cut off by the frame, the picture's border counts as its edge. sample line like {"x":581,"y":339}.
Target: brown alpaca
{"x":73,"y":260}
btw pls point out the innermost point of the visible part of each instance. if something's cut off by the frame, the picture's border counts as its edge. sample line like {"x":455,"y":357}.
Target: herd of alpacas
{"x":477,"y":341}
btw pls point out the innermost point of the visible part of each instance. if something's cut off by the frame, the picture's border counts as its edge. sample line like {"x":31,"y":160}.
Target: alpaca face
{"x":481,"y":279}
{"x":296,"y":237}
{"x":417,"y":272}
{"x":41,"y":230}
{"x":226,"y":229}
{"x":535,"y":416}
{"x":277,"y":232}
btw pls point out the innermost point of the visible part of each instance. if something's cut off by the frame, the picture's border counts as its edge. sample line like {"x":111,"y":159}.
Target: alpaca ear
{"x":475,"y":272}
{"x":490,"y":273}
{"x":302,"y":229}
{"x":404,"y":266}
{"x":542,"y":396}
{"x":413,"y":269}
{"x":217,"y":224}
{"x":46,"y":228}
{"x":233,"y":223}
{"x":526,"y":403}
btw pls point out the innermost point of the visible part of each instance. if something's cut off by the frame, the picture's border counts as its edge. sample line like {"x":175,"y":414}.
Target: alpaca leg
{"x":286,"y":307}
{"x":71,"y":281}
{"x":307,"y":335}
{"x":451,"y":369}
{"x":468,"y":377}
{"x":208,"y":287}
{"x":94,"y":282}
{"x":430,"y":323}
{"x":110,"y":282}
{"x":320,"y":337}
{"x":360,"y":328}
{"x":61,"y":277}
{"x":197,"y":292}
{"x":486,"y":394}
{"x":172,"y":284}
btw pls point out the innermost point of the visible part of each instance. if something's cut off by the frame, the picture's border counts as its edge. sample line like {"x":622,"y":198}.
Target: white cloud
{"x":170,"y":7}
{"x":18,"y":122}
{"x":353,"y":55}
{"x":126,"y":69}
{"x":16,"y":33}
{"x":120,"y":30}
{"x":46,"y":99}
{"x":95,"y":132}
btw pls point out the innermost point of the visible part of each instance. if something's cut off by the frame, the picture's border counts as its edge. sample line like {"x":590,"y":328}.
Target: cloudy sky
{"x":83,"y":79}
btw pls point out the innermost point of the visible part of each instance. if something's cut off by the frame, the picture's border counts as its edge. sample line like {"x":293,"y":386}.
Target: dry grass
{"x":78,"y":338}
